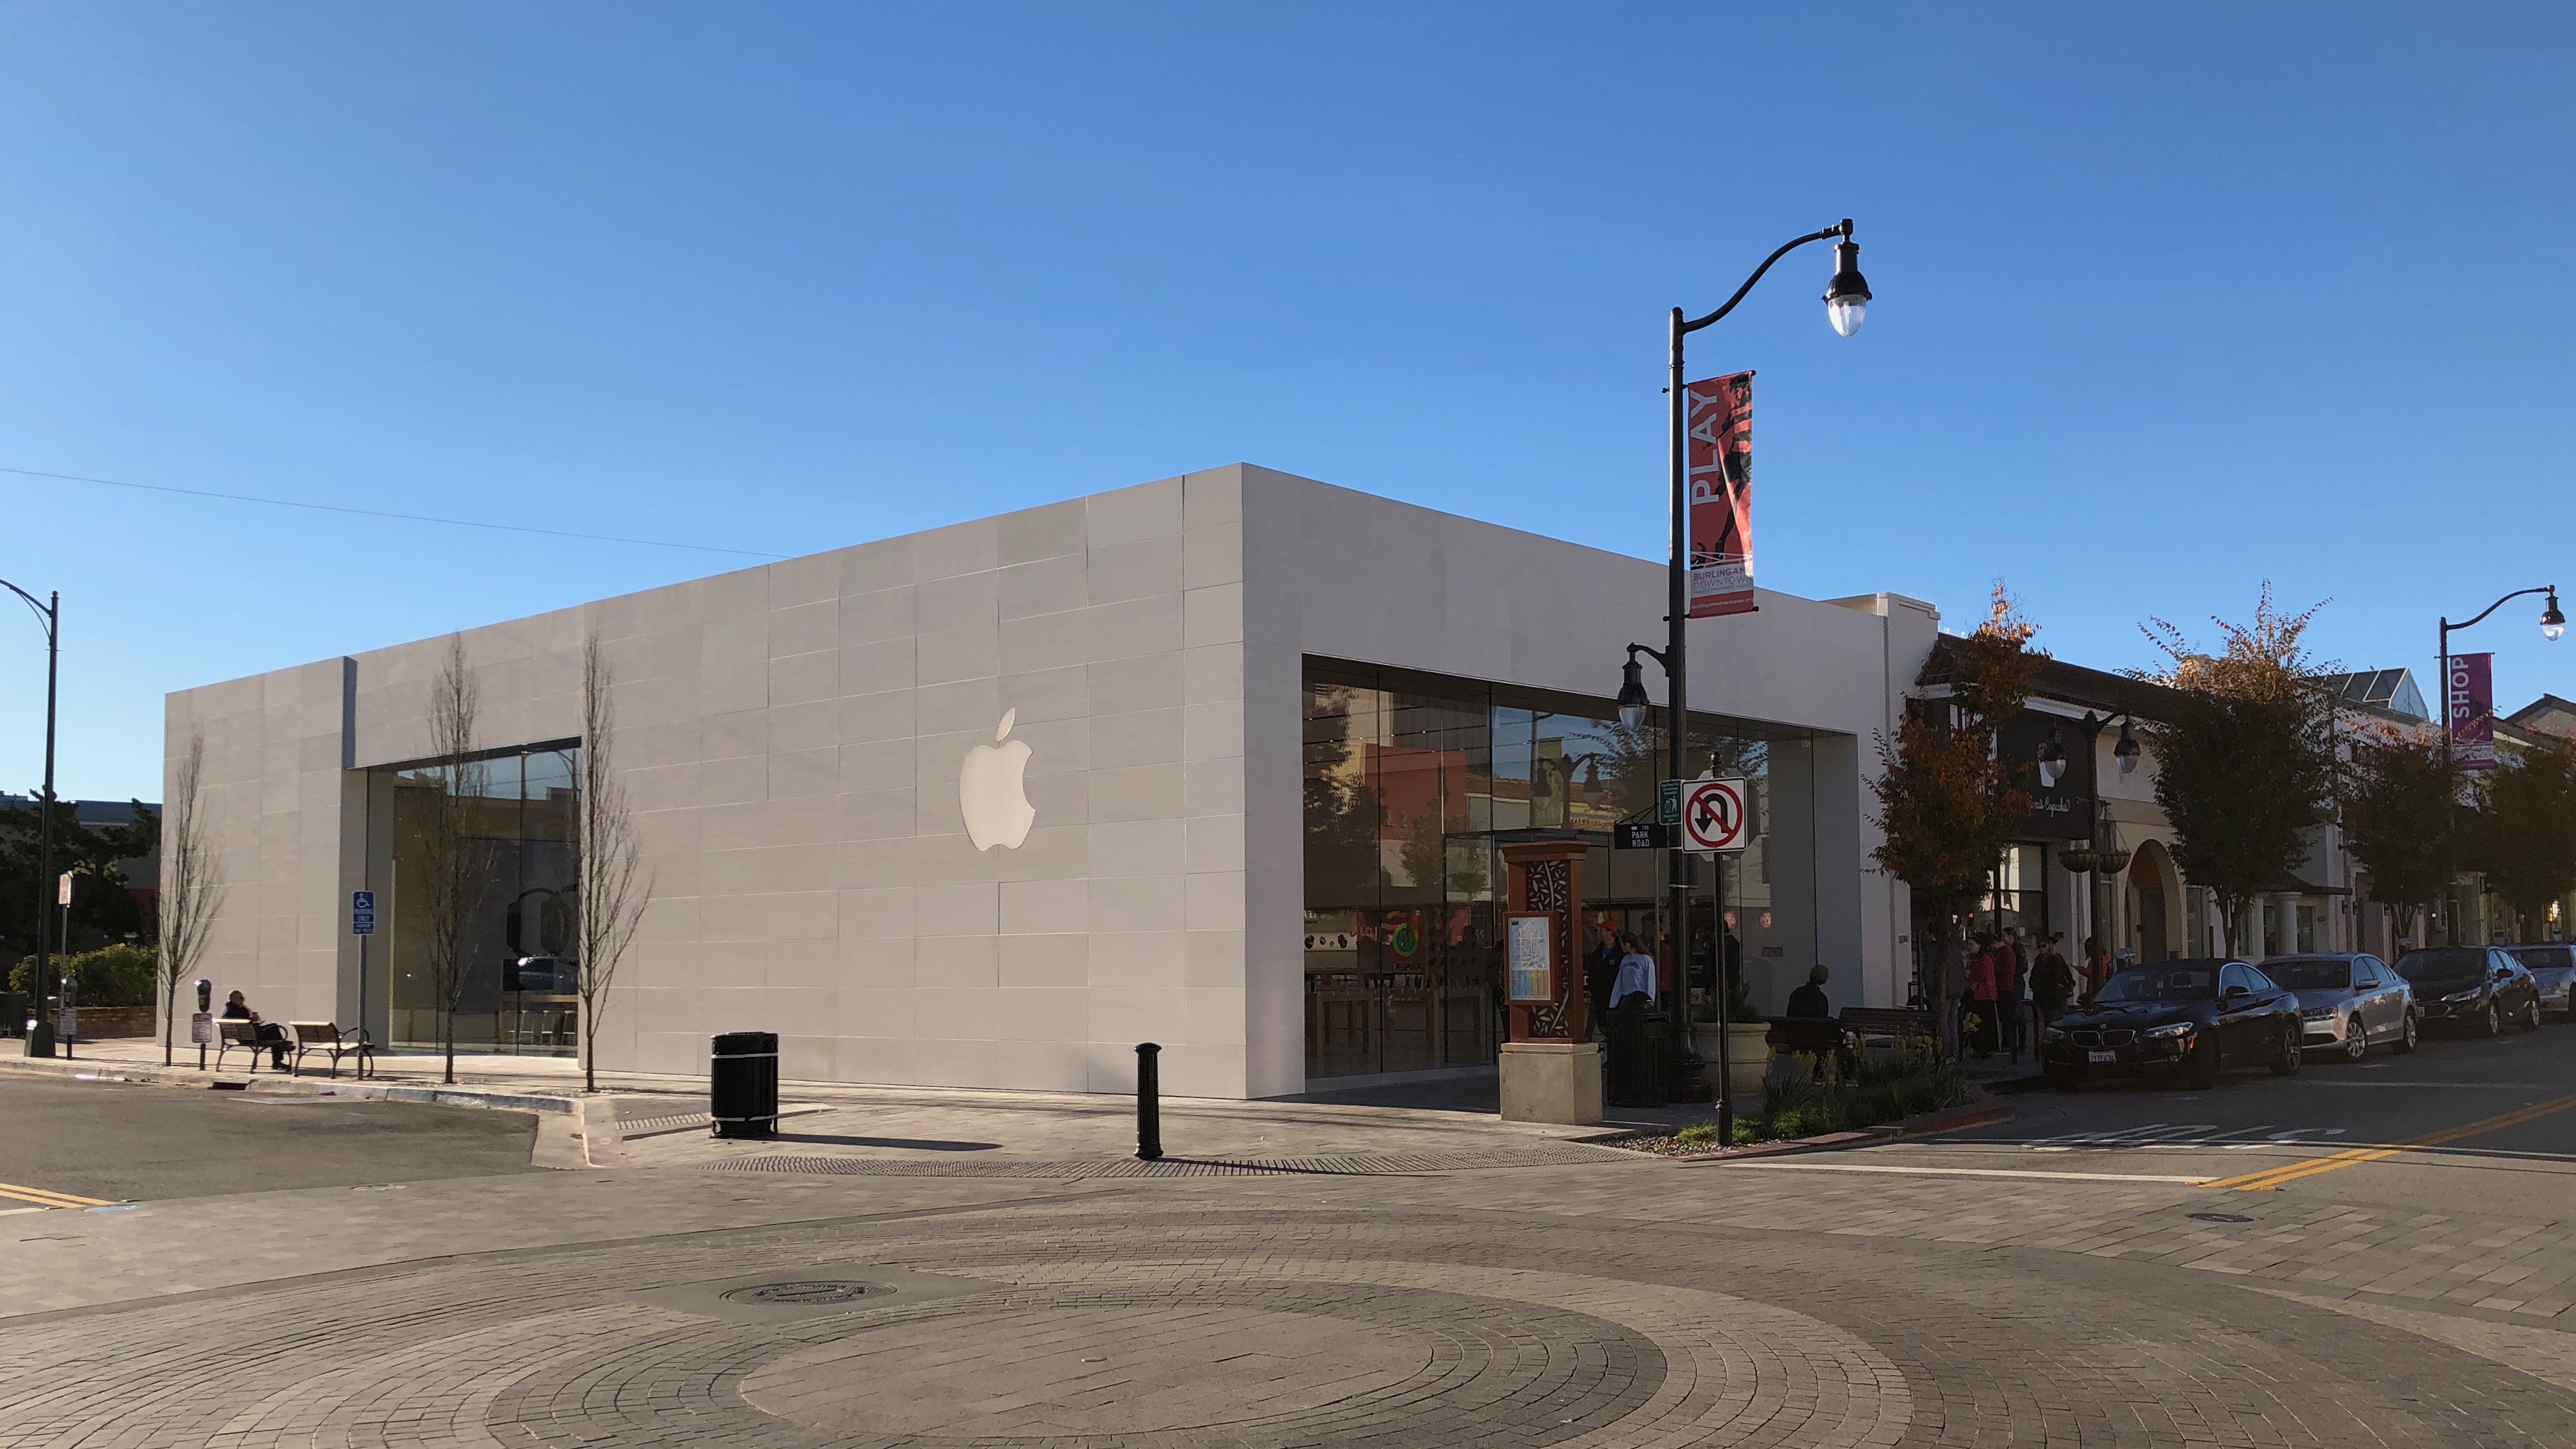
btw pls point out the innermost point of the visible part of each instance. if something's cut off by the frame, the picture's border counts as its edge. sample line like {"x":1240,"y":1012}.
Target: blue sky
{"x":2172,"y":300}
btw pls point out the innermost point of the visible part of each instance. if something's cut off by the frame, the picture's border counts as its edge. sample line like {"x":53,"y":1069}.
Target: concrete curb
{"x":188,"y":1077}
{"x":1971,"y":1113}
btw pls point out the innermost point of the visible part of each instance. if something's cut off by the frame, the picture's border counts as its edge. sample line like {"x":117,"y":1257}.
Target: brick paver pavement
{"x":1612,"y":1302}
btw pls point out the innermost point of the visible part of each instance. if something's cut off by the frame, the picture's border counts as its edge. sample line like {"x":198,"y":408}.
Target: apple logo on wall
{"x":989,"y":791}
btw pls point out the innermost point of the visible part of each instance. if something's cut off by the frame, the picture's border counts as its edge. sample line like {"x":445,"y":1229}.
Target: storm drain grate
{"x":2218,"y":1217}
{"x":1353,"y":1165}
{"x":801,"y":1294}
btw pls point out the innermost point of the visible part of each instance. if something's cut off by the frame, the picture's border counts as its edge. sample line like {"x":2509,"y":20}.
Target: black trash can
{"x":743,"y":1083}
{"x":1639,"y":1059}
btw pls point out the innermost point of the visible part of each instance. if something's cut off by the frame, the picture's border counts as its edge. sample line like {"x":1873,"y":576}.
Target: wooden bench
{"x":1812,"y":1037}
{"x":334,"y":1041}
{"x":233,"y":1034}
{"x":1888,"y":1025}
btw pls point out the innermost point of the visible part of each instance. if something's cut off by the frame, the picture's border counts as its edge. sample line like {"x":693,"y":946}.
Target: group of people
{"x":1619,"y":972}
{"x":2003,"y":981}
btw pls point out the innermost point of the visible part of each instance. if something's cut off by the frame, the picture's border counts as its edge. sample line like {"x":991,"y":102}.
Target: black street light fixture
{"x":1846,"y":300}
{"x":2552,"y":625}
{"x":2126,"y":751}
{"x":49,"y":615}
{"x":2052,"y":760}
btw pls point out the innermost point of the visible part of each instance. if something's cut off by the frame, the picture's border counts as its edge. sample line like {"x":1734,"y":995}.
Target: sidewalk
{"x":645,"y":1120}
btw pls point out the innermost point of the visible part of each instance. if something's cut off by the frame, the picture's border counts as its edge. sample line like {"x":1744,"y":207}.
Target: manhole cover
{"x":801,"y":1295}
{"x":2218,"y":1217}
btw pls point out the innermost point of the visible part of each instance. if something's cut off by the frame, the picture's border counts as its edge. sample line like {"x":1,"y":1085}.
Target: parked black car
{"x":2476,"y":987}
{"x":2197,"y":1018}
{"x":2553,"y":968}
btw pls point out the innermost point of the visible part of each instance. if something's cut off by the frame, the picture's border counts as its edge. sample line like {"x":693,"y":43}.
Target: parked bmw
{"x":2348,"y":1002}
{"x":2477,"y":987}
{"x":2554,"y":969}
{"x":2197,"y":1018}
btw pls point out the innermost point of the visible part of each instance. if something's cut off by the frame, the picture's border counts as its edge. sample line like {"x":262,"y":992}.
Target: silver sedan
{"x":2348,"y":1003}
{"x":2554,"y":967}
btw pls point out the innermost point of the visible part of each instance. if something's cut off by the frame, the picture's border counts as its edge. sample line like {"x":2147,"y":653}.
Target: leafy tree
{"x":2527,"y":809}
{"x":2401,"y":821}
{"x":2245,"y":759}
{"x":103,"y":908}
{"x":1948,"y":804}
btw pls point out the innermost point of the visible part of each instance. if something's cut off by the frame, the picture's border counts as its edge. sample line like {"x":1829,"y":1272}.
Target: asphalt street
{"x":2482,"y":1125}
{"x":114,"y":1142}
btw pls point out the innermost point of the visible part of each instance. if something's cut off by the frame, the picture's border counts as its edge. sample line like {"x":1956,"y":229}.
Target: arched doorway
{"x":2155,"y":905}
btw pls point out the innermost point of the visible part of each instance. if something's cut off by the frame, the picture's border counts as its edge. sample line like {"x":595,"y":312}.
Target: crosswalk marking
{"x":2185,"y":1136}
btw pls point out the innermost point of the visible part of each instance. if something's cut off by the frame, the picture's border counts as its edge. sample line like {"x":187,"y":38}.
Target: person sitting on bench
{"x":236,"y":1009}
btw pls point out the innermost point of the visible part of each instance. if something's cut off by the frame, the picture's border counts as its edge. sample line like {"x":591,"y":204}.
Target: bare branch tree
{"x":609,"y":859}
{"x":192,"y":883}
{"x":452,"y":862}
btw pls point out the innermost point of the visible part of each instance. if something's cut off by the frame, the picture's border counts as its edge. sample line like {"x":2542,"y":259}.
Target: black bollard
{"x":1149,"y":1102}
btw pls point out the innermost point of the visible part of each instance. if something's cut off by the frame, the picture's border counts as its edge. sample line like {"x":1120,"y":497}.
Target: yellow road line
{"x":2272,"y":1178}
{"x":44,"y":1198}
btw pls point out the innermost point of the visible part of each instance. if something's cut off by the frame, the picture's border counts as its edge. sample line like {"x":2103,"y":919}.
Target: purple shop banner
{"x":2471,"y":690}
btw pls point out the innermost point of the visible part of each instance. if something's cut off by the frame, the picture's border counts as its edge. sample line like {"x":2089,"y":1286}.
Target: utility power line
{"x":399,"y":517}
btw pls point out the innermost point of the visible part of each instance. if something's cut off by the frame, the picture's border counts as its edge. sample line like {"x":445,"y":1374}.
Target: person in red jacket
{"x":1981,"y":997}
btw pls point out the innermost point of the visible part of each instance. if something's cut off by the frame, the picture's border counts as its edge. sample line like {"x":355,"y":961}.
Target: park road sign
{"x":1714,"y":816}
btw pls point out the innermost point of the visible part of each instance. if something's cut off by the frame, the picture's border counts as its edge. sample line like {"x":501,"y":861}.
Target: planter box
{"x":1748,"y":1053}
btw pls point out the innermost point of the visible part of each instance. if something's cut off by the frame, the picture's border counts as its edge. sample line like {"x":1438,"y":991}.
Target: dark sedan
{"x":2196,"y":1018}
{"x":2553,"y":968}
{"x":2476,"y":987}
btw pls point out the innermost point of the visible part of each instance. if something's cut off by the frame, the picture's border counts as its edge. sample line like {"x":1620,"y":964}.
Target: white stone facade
{"x":793,"y":735}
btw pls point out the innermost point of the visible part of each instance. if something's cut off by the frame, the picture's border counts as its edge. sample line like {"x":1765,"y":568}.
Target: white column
{"x":2282,"y":939}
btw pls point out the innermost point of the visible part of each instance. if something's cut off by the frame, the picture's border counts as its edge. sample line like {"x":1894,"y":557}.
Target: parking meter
{"x":205,"y":995}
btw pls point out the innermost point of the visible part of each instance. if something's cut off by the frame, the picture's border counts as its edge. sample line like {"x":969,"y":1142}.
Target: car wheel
{"x":2531,"y":1015}
{"x":2405,"y":1036}
{"x":2200,"y":1069}
{"x":2490,"y":1024}
{"x":2286,"y":1062}
{"x":2356,"y":1040}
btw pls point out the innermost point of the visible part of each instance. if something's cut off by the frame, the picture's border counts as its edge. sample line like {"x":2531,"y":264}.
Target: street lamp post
{"x":1846,"y":301}
{"x":50,"y":615}
{"x":2552,"y":625}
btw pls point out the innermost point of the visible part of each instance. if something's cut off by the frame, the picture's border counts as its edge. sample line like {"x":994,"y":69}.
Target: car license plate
{"x":2102,"y":1056}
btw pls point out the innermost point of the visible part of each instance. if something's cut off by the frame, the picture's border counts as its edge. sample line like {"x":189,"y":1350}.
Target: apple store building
{"x":1227,"y":762}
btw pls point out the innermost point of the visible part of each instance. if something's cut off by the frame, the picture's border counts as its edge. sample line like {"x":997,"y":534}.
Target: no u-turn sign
{"x":1714,"y":815}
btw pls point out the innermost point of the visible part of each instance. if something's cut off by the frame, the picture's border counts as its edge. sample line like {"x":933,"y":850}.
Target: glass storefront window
{"x":1413,"y":782}
{"x":2017,"y":893}
{"x":518,"y":950}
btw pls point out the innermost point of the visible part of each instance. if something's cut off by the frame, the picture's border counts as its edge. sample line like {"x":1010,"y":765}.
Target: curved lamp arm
{"x":1842,"y":230}
{"x":2549,"y":589}
{"x":44,"y":616}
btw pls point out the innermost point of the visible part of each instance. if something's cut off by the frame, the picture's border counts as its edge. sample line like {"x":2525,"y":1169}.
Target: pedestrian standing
{"x":1980,"y":1023}
{"x":1950,"y":1001}
{"x":2010,"y":969}
{"x":2097,"y":965}
{"x":2052,"y":983}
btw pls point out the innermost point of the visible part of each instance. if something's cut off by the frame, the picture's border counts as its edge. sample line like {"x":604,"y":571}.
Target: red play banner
{"x":1719,"y":429}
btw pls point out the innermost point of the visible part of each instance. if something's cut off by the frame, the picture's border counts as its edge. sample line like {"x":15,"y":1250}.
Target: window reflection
{"x":1411,"y":781}
{"x":519,"y":947}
